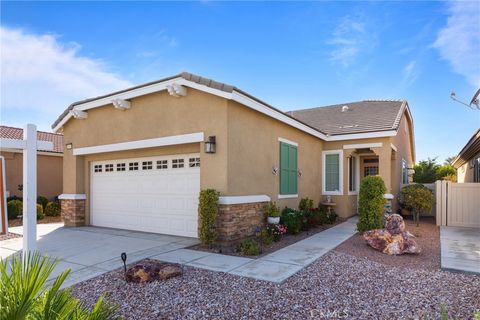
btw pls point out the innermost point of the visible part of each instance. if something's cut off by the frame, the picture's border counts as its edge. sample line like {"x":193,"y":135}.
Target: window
{"x":97,"y":168}
{"x":177,"y":163}
{"x":133,"y":166}
{"x":476,"y":170}
{"x":109,"y":167}
{"x":194,"y":162}
{"x":288,"y":169}
{"x":162,"y":164}
{"x":147,"y":165}
{"x":404,"y":172}
{"x":370,"y":171}
{"x":352,"y":174}
{"x":120,"y":166}
{"x":332,"y":172}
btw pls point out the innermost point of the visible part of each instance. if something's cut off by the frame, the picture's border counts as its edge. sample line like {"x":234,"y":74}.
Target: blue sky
{"x":292,"y":55}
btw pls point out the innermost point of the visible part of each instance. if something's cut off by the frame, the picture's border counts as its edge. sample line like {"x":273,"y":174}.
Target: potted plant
{"x":272,"y":212}
{"x":417,"y":199}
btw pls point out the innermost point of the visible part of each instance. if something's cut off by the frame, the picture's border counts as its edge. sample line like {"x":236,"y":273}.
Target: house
{"x":137,"y":159}
{"x":49,"y":164}
{"x":467,"y":162}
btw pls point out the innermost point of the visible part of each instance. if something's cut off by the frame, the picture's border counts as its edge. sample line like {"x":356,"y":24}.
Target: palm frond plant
{"x":26,"y":294}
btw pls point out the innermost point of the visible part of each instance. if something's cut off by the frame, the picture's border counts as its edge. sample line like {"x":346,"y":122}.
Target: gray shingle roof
{"x":362,"y":116}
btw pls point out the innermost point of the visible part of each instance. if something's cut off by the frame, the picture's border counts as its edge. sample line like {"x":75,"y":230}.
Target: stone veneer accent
{"x":73,"y":212}
{"x":237,"y":221}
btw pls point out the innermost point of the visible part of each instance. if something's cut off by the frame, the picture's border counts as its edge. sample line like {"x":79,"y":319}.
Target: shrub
{"x":14,"y":208}
{"x":314,"y":217}
{"x":271,"y":209}
{"x":278,"y":231}
{"x":14,"y":198}
{"x":417,"y":198}
{"x":249,"y":247}
{"x":52,"y":209}
{"x":332,"y":217}
{"x":26,"y":294}
{"x":208,"y":209}
{"x":286,"y":210}
{"x":292,"y":220}
{"x":40,"y":214}
{"x":43,"y":201}
{"x":306,"y":204}
{"x":371,"y":203}
{"x":266,"y":235}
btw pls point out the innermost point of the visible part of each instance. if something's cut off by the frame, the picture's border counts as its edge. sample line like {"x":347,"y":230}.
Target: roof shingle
{"x":17,"y":134}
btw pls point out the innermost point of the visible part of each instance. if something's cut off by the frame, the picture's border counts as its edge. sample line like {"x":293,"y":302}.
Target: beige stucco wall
{"x":49,"y":174}
{"x":465,"y":173}
{"x":254,"y":149}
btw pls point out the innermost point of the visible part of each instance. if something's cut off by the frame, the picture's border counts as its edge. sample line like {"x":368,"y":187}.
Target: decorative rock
{"x":393,"y":240}
{"x":151,"y":270}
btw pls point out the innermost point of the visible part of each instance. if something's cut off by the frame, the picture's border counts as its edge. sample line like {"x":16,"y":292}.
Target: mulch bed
{"x":427,"y":235}
{"x":47,"y":219}
{"x":287,"y":239}
{"x":336,"y":286}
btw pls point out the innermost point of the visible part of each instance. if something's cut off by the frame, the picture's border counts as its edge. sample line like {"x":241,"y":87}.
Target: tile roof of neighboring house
{"x":360,"y":117}
{"x":470,"y":150}
{"x":17,"y":134}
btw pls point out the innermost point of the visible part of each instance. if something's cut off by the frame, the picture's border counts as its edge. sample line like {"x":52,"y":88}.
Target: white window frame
{"x":340,"y":171}
{"x":401,"y":170}
{"x":357,"y":176}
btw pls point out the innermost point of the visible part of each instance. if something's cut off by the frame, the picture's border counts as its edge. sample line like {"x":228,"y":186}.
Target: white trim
{"x":287,"y":196}
{"x":141,"y":144}
{"x":243,"y":199}
{"x":340,"y":171}
{"x":354,"y":136}
{"x":357,"y":176}
{"x":22,"y":144}
{"x":288,"y":142}
{"x":4,"y":187}
{"x":363,"y":145}
{"x":393,"y":147}
{"x":72,"y":196}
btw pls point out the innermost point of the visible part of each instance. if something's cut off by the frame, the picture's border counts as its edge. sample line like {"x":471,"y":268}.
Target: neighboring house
{"x":467,"y":162}
{"x":49,"y":164}
{"x":137,"y":158}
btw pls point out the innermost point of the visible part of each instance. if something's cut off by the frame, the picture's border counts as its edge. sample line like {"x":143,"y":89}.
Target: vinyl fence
{"x":457,"y":204}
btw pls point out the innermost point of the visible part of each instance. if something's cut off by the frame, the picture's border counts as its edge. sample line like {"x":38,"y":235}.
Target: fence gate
{"x":458,"y":204}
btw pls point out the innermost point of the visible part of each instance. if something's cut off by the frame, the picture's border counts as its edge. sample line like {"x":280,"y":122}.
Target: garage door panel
{"x":154,"y":200}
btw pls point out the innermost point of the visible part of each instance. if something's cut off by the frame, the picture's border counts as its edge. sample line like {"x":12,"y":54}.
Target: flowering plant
{"x":277,"y":230}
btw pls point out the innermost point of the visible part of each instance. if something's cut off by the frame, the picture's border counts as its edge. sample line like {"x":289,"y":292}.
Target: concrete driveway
{"x":91,"y":251}
{"x":460,"y":249}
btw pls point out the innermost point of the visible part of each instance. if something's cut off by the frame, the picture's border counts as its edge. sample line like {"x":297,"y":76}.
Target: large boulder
{"x":150,"y":270}
{"x":393,"y":240}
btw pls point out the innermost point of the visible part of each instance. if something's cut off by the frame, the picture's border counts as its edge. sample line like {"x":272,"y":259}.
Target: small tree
{"x":208,"y":209}
{"x":426,"y":171}
{"x":371,"y":203}
{"x":417,"y":198}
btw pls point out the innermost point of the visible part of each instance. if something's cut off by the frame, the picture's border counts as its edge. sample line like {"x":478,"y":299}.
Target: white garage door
{"x":154,"y":194}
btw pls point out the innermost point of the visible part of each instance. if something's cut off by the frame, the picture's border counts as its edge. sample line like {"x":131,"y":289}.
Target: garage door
{"x":154,"y":194}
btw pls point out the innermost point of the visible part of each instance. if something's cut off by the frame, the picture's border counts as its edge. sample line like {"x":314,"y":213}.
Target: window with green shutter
{"x":288,"y":169}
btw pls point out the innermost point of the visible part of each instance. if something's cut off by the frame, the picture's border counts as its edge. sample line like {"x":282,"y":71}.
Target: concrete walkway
{"x":460,"y":249}
{"x":91,"y":251}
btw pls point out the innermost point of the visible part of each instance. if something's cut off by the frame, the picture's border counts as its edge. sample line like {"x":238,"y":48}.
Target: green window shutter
{"x":332,"y":172}
{"x":288,"y":169}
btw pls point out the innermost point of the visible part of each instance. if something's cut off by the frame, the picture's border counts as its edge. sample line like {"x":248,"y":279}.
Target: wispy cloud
{"x":410,"y":73}
{"x":349,"y":39}
{"x":41,"y":76}
{"x":459,"y":41}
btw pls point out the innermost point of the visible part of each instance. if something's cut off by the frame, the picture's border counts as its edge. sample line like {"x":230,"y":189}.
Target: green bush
{"x":271,"y":209}
{"x":43,"y":201}
{"x":266,"y":236}
{"x":293,"y":220}
{"x":26,"y":294}
{"x":417,"y":198}
{"x":52,"y":209}
{"x":208,"y":209}
{"x":306,"y":204}
{"x":371,"y":203}
{"x":40,"y":214}
{"x":14,"y":209}
{"x":315,"y":217}
{"x":249,"y":247}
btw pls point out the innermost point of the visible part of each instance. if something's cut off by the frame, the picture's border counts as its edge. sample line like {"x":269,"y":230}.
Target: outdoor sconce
{"x":274,"y":170}
{"x":69,"y":146}
{"x":300,"y":173}
{"x":210,"y":145}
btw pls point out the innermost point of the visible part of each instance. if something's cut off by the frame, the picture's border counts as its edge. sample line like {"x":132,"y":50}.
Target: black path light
{"x":124,"y":259}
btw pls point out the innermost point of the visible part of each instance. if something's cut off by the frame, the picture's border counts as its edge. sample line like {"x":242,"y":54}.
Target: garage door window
{"x":162,"y":164}
{"x":177,"y":163}
{"x":133,"y":166}
{"x":97,"y":168}
{"x":109,"y":167}
{"x":194,"y":162}
{"x":120,"y":166}
{"x":147,"y":165}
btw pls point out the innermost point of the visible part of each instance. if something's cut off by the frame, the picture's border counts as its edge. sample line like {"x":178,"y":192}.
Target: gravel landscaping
{"x":9,"y":236}
{"x":338,"y":285}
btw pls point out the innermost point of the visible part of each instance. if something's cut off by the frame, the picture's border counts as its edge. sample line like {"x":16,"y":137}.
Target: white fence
{"x":458,"y":204}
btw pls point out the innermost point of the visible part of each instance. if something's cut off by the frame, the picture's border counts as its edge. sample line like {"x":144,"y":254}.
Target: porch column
{"x":73,"y":200}
{"x":385,"y":165}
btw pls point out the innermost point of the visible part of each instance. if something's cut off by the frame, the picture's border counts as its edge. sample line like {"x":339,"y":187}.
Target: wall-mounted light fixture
{"x":69,"y":146}
{"x":274,"y":170}
{"x":210,"y":145}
